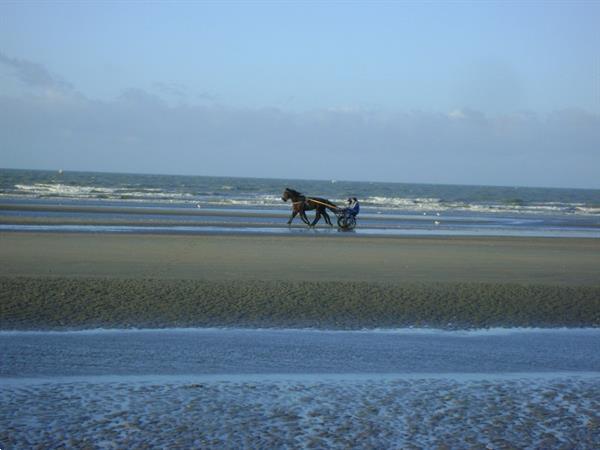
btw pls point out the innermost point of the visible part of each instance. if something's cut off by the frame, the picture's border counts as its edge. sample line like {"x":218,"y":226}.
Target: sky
{"x":498,"y":93}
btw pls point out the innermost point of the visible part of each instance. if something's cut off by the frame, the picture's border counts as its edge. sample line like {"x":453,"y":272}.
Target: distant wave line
{"x":411,"y":331}
{"x":425,"y":204}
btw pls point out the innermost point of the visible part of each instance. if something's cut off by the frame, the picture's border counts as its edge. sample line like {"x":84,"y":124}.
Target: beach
{"x":75,"y":280}
{"x":299,"y":225}
{"x":143,"y":312}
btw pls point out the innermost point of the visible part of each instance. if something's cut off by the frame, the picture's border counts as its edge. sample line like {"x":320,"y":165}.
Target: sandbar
{"x":62,"y":280}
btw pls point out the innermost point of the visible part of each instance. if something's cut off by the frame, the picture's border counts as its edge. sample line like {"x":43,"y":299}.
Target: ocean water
{"x":83,"y":201}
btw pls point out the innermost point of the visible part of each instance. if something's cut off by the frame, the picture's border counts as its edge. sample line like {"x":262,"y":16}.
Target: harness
{"x":315,"y":201}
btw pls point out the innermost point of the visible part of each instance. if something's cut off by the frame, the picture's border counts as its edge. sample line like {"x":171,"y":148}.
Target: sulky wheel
{"x":346,"y":222}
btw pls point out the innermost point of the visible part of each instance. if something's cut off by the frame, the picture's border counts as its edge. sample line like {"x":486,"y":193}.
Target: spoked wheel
{"x":346,"y":222}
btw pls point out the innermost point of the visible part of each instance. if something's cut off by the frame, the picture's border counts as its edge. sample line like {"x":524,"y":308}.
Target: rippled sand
{"x":346,"y":413}
{"x":58,"y":303}
{"x":62,"y":280}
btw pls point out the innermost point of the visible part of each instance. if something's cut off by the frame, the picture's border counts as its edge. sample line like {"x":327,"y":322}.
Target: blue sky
{"x":444,"y":92}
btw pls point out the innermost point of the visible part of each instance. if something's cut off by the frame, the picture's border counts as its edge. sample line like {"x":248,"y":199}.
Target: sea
{"x":69,"y":201}
{"x":125,"y":203}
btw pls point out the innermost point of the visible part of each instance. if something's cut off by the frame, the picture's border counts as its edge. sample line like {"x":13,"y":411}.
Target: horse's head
{"x":290,"y":194}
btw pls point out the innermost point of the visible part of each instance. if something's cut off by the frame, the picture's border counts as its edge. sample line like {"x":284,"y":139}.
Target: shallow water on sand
{"x":237,"y":388}
{"x":242,"y":351}
{"x":376,"y":413}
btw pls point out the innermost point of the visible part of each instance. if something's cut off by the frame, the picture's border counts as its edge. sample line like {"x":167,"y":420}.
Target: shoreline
{"x":192,"y":220}
{"x":251,"y":229}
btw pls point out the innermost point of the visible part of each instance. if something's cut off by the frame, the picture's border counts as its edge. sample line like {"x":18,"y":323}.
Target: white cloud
{"x":457,"y":114}
{"x":34,"y":74}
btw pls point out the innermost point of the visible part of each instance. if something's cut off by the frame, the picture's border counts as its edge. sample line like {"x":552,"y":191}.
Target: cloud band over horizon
{"x":53,"y":126}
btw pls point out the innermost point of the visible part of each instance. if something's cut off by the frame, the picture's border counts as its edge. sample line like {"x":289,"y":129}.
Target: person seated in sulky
{"x":353,"y":206}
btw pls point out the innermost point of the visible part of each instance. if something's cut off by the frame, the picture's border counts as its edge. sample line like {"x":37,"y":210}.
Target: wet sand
{"x":214,"y":388}
{"x":401,"y":413}
{"x":567,"y":262}
{"x":104,"y":389}
{"x":52,"y":280}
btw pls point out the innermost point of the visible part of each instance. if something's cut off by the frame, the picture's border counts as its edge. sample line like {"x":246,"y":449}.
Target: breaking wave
{"x":46,"y":190}
{"x":238,"y":196}
{"x":435,"y":205}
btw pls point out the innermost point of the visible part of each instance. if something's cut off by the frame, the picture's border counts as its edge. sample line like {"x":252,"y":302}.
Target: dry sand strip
{"x":548,"y":261}
{"x":83,"y":280}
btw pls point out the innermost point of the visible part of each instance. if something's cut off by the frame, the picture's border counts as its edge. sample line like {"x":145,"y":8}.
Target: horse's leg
{"x":294,"y":212}
{"x":302,"y":211}
{"x":327,"y":219}
{"x":317,"y":217}
{"x":304,"y":217}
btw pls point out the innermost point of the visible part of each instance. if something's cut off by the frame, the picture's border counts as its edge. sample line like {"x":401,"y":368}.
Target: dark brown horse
{"x":301,"y":204}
